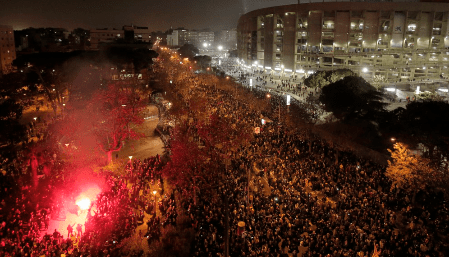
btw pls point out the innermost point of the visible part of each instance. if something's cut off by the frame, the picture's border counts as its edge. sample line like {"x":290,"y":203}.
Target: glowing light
{"x":84,"y":203}
{"x":390,"y":89}
{"x":365,"y":69}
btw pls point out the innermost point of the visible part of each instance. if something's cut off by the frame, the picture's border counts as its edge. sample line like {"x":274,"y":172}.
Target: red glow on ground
{"x":69,"y":215}
{"x":84,"y":203}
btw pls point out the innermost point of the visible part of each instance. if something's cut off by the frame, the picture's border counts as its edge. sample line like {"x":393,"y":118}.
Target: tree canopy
{"x":141,"y":58}
{"x":203,"y":61}
{"x":323,"y":78}
{"x":11,"y":131}
{"x":426,"y":123}
{"x":188,"y":51}
{"x":100,"y":124}
{"x":351,"y":97}
{"x":412,"y":172}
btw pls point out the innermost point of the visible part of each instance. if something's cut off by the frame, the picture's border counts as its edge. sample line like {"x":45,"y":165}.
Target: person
{"x":56,"y":235}
{"x":79,"y":229}
{"x":69,"y":230}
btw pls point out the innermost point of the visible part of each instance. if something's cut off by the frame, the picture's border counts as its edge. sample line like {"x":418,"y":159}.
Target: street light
{"x":155,"y":206}
{"x":279,"y":119}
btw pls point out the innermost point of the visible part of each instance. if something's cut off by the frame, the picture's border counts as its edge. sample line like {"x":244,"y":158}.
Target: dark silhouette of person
{"x":79,"y":229}
{"x":69,"y":230}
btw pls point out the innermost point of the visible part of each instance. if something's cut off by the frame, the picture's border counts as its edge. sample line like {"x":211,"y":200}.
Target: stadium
{"x":388,"y":42}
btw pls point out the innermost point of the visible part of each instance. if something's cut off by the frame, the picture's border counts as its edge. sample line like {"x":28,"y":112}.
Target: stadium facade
{"x":383,"y":41}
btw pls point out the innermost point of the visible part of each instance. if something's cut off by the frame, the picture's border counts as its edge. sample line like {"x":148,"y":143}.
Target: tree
{"x":122,"y":56}
{"x":323,"y":78}
{"x":188,"y":51}
{"x":102,"y":122}
{"x":427,"y":123}
{"x":187,"y":166}
{"x":44,"y":68}
{"x":352,"y":97}
{"x":11,"y":131}
{"x":408,"y":171}
{"x":114,"y":109}
{"x":203,"y":61}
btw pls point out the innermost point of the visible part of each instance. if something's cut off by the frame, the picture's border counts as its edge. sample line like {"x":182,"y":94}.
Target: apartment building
{"x":7,"y":49}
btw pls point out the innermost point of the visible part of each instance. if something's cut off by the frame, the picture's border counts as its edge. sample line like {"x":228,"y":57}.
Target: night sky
{"x":157,"y":15}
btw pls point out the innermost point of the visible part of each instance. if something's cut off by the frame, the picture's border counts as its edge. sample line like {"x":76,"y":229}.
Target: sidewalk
{"x":272,"y":86}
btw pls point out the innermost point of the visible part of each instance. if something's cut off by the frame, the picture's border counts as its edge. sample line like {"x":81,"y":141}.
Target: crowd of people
{"x":302,"y":199}
{"x":113,"y":216}
{"x":284,"y":193}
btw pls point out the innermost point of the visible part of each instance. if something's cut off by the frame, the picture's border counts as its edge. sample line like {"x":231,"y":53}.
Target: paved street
{"x":274,"y":79}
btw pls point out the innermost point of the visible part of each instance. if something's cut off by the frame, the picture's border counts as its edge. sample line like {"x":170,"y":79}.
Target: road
{"x":150,"y":144}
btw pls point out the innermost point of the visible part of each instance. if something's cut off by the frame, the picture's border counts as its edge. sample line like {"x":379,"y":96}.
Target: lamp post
{"x":155,"y":206}
{"x":131,"y":167}
{"x":279,"y":119}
